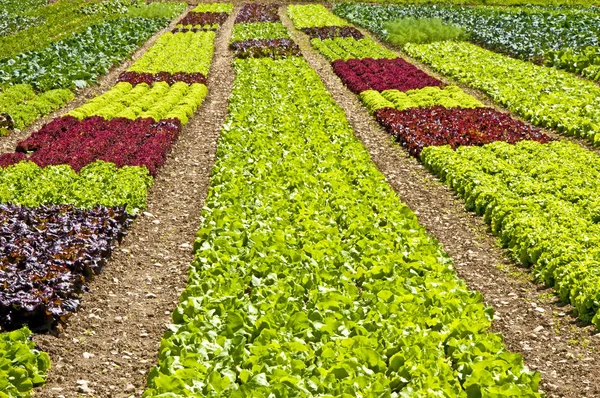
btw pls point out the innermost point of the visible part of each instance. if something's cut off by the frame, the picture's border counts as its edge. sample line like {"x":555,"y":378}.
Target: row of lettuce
{"x":563,"y":37}
{"x":545,"y":96}
{"x":310,"y":277}
{"x":539,"y":195}
{"x":62,"y":47}
{"x":70,"y":191}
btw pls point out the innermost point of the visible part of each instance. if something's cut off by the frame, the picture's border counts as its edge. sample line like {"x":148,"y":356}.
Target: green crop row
{"x":159,"y":101}
{"x":178,"y":52}
{"x":214,"y":7}
{"x":449,"y":97}
{"x":347,"y":47}
{"x":543,"y":202}
{"x":259,"y":30}
{"x":310,"y":277}
{"x":99,"y":183}
{"x":545,"y":96}
{"x":22,"y":367}
{"x":24,"y":105}
{"x":313,"y":16}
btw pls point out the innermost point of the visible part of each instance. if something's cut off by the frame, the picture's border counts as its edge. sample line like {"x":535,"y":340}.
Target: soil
{"x":534,"y":323}
{"x":109,"y":346}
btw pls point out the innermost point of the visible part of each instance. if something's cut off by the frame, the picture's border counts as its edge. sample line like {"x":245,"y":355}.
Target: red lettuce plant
{"x":258,"y":12}
{"x":204,"y":18}
{"x":46,"y":256}
{"x":124,"y":142}
{"x":417,"y":128}
{"x":382,"y":74}
{"x":171,"y":78}
{"x":331,"y":32}
{"x":273,"y":48}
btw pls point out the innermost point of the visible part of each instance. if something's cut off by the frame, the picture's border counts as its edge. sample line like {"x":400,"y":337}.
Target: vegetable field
{"x":377,"y":200}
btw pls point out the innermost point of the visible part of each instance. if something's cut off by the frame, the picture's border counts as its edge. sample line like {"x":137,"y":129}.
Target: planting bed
{"x":298,"y":274}
{"x":309,"y":274}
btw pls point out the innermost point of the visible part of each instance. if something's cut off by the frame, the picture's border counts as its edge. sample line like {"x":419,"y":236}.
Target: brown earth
{"x":530,"y":317}
{"x":109,"y":346}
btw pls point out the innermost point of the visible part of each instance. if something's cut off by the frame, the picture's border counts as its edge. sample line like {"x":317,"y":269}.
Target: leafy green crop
{"x":449,"y":97}
{"x":313,"y":15}
{"x":159,"y":101}
{"x":422,"y":30}
{"x":311,"y":278}
{"x":99,"y":183}
{"x":214,"y":7}
{"x":347,"y":47}
{"x":24,"y":105}
{"x":543,"y":201}
{"x":166,"y":10}
{"x":564,"y":37}
{"x":178,"y":52}
{"x":78,"y":60}
{"x":259,"y":30}
{"x":54,"y":22}
{"x":22,"y":367}
{"x":545,"y":96}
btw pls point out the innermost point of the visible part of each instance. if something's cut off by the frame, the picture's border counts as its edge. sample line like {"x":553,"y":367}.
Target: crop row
{"x":544,"y":96}
{"x":381,"y":74}
{"x":47,"y":254}
{"x":448,"y":97}
{"x":567,"y":38}
{"x":122,"y":142}
{"x":258,"y":12}
{"x":99,"y":160}
{"x":539,"y":197}
{"x":178,"y":52}
{"x":258,"y":32}
{"x":408,"y":102}
{"x":543,"y":203}
{"x":158,"y":101}
{"x":75,"y":42}
{"x":310,"y":277}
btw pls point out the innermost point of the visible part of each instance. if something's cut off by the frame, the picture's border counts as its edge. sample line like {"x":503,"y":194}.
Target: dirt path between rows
{"x":110,"y":345}
{"x":532,"y":321}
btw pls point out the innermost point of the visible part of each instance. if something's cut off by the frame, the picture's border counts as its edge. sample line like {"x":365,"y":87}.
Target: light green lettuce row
{"x":214,"y":7}
{"x":348,"y":47}
{"x":311,"y":278}
{"x":178,"y":52}
{"x":545,"y":96}
{"x":543,"y":201}
{"x":313,"y":16}
{"x":159,"y":101}
{"x":449,"y":97}
{"x":259,"y":30}
{"x":98,"y":183}
{"x":24,"y":105}
{"x":22,"y":367}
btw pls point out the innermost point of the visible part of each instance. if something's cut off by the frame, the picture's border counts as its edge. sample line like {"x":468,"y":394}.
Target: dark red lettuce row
{"x":204,"y":18}
{"x":124,"y":142}
{"x":382,"y":74}
{"x":417,"y":128}
{"x":171,"y":78}
{"x":331,"y":32}
{"x":258,"y":12}
{"x":193,"y":30}
{"x":46,"y":256}
{"x":259,"y":48}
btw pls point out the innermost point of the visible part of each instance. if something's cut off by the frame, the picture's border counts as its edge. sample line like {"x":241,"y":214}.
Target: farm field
{"x":392,"y":199}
